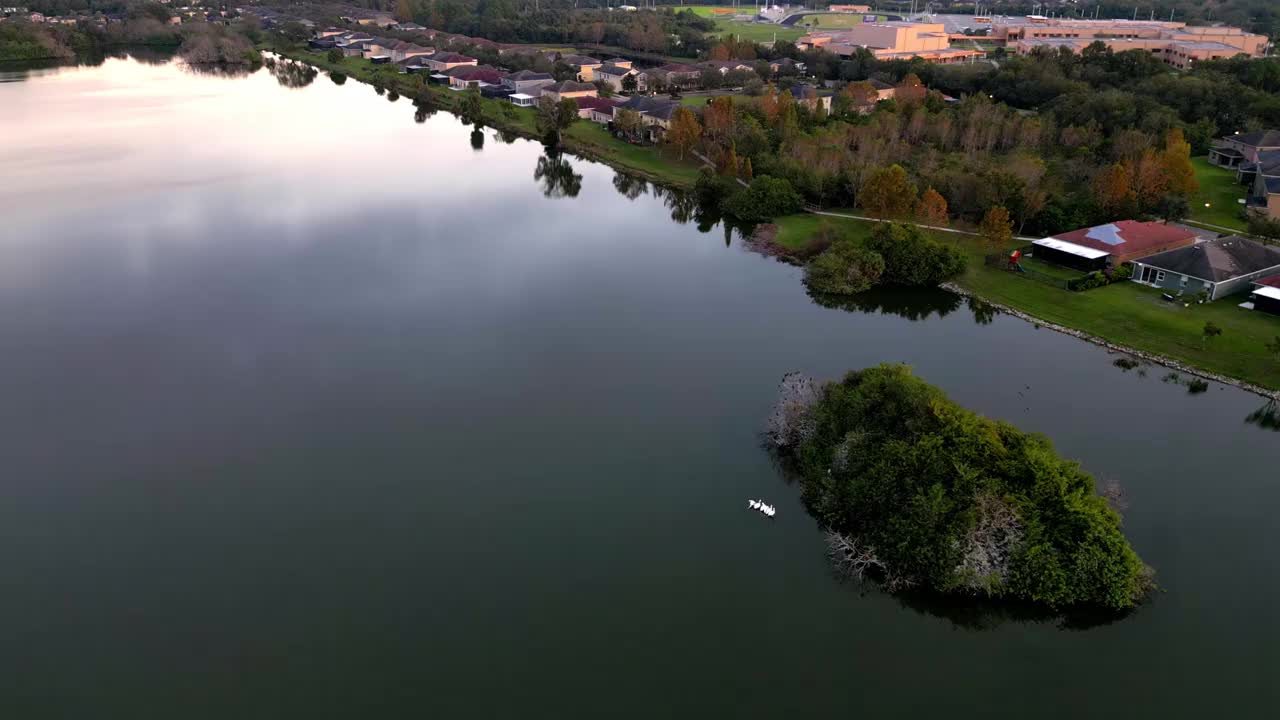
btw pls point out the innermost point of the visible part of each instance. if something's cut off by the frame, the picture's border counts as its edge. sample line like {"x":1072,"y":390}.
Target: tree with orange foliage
{"x":1150,"y":179}
{"x":1176,"y":158}
{"x":720,"y":52}
{"x":910,"y":90}
{"x":862,"y":95}
{"x":932,"y":208}
{"x":1113,"y":190}
{"x":685,"y":130}
{"x":718,"y":119}
{"x":996,"y":227}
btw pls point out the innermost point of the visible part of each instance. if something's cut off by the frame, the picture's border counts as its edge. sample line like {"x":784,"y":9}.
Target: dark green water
{"x":312,"y":410}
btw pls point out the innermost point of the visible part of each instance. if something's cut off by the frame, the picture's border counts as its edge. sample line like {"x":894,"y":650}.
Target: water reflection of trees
{"x":978,"y":614}
{"x":685,"y":207}
{"x":557,"y":176}
{"x":423,"y":108}
{"x":629,"y":186}
{"x":218,"y":70}
{"x":477,"y":140}
{"x":1266,"y":417}
{"x":292,"y":74}
{"x":337,"y":77}
{"x":914,"y":304}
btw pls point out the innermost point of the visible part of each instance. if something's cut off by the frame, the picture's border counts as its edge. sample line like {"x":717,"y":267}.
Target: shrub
{"x":844,"y":269}
{"x":766,"y":198}
{"x":911,"y":258}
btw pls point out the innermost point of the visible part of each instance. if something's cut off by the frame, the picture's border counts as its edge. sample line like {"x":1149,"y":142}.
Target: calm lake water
{"x":313,"y":410}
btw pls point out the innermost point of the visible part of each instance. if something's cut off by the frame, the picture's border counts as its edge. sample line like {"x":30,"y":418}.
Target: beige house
{"x":442,"y":61}
{"x":613,"y":75}
{"x":569,"y":89}
{"x":583,"y":65}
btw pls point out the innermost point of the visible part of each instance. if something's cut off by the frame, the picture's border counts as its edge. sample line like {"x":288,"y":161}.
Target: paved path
{"x":939,"y":228}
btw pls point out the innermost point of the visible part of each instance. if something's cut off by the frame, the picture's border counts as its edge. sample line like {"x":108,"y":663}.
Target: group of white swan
{"x":765,"y":509}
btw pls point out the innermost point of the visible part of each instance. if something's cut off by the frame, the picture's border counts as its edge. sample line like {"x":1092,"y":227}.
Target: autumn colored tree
{"x":997,"y":228}
{"x":1113,"y":190}
{"x":910,"y":90}
{"x":862,"y":95}
{"x":932,"y":208}
{"x":718,"y":119}
{"x":1150,"y":179}
{"x":685,"y":130}
{"x":1179,"y":173}
{"x":720,"y":52}
{"x":404,"y":12}
{"x":628,"y":122}
{"x":728,"y":164}
{"x":747,"y":173}
{"x":888,"y":193}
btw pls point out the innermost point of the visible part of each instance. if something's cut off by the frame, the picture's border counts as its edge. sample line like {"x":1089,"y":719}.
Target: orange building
{"x":891,"y":41}
{"x":1173,"y":42}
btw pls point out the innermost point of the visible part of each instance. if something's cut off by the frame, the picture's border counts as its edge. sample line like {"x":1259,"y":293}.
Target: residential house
{"x":1111,"y":244}
{"x":786,"y":66}
{"x":473,"y":76}
{"x":1264,"y":196}
{"x":443,"y":61}
{"x":1266,"y":294}
{"x":408,"y":27}
{"x":884,"y":91}
{"x":674,"y":74}
{"x":811,"y":97}
{"x":569,"y":89}
{"x":724,"y":67}
{"x":1233,"y":150}
{"x":528,"y":81}
{"x":591,"y":107}
{"x":1268,"y":164}
{"x":1218,"y":267}
{"x":583,"y":65}
{"x":655,"y":113}
{"x":614,"y":75}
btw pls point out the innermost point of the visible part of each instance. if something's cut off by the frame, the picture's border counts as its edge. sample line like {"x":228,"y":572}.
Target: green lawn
{"x":1216,"y":202}
{"x":1125,"y":313}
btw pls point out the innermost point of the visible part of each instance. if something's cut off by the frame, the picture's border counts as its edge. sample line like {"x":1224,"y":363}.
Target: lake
{"x":312,"y":409}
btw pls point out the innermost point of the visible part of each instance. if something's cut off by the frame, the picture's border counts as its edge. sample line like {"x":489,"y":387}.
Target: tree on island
{"x":845,"y":268}
{"x":918,"y":492}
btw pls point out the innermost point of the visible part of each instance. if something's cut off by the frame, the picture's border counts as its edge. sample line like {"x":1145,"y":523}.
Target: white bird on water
{"x":765,"y":509}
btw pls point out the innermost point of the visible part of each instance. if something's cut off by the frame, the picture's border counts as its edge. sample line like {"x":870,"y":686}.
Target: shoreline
{"x":1151,"y":357}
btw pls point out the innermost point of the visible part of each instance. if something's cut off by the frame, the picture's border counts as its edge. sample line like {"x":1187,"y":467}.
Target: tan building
{"x":850,"y":8}
{"x":1173,"y":42}
{"x":569,"y":89}
{"x":892,"y":40}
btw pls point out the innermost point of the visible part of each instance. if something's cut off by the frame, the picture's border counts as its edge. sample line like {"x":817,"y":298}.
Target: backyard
{"x":1125,"y":313}
{"x":1217,"y":202}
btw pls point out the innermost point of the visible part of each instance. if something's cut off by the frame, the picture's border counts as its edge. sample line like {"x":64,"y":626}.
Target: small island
{"x":918,"y":492}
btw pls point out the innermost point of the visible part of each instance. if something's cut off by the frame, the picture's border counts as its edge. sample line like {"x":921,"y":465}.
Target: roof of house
{"x":1258,"y":138}
{"x":880,"y":84}
{"x":1071,"y":248}
{"x":595,"y":103}
{"x":565,"y":86}
{"x":1267,"y":291}
{"x":452,"y":57}
{"x":1128,"y":237}
{"x":677,"y":68}
{"x":614,"y":70}
{"x":653,"y":107}
{"x":1269,"y":281}
{"x":1218,"y":260}
{"x":523,"y":75}
{"x":475,"y":74}
{"x":1272,"y":185}
{"x":578,"y":60}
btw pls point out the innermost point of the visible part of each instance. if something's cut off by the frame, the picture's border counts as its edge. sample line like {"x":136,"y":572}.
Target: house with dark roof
{"x":785,"y":65}
{"x":614,"y":75}
{"x":674,"y":74}
{"x":442,"y":61}
{"x":569,"y":89}
{"x":472,"y":76}
{"x":1264,"y":196}
{"x":527,"y":82}
{"x":589,"y":107}
{"x":811,"y":97}
{"x":724,"y":67}
{"x":1232,"y":150}
{"x":1111,"y":244}
{"x":1218,"y":267}
{"x":655,"y":113}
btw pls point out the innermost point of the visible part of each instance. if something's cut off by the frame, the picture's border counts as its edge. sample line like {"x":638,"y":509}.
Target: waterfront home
{"x":614,"y":75}
{"x":591,"y":107}
{"x":655,"y":114}
{"x":1233,"y":150}
{"x":569,"y":89}
{"x":527,"y":81}
{"x":724,"y":67}
{"x":584,"y":66}
{"x":1111,"y":244}
{"x":468,"y":76}
{"x":443,"y":61}
{"x":1218,"y":267}
{"x":1266,"y":294}
{"x":522,"y":99}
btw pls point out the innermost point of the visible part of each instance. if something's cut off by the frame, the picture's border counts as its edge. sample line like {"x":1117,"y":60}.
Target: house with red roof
{"x":467,"y":76}
{"x":598,"y":105}
{"x":1111,"y":244}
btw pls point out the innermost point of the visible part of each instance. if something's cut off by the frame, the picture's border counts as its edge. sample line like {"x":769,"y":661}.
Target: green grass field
{"x":1125,"y":313}
{"x":1217,"y":201}
{"x":726,"y":25}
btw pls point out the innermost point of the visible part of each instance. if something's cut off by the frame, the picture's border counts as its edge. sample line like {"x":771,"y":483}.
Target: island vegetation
{"x":918,"y":492}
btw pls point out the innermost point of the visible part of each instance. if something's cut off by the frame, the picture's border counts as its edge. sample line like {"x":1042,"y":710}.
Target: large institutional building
{"x":1175,"y":43}
{"x":892,"y":41}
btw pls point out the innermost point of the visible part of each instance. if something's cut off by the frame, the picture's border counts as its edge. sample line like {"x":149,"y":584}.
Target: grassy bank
{"x":1217,"y":202}
{"x":583,"y":138}
{"x":1124,"y":313}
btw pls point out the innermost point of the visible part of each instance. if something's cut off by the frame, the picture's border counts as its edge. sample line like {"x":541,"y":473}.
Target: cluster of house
{"x":1255,"y":156}
{"x":100,"y":18}
{"x":1173,"y":258}
{"x":1175,"y":43}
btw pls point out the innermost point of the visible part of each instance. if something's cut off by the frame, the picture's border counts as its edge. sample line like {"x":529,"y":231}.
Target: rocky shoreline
{"x":1149,"y":357}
